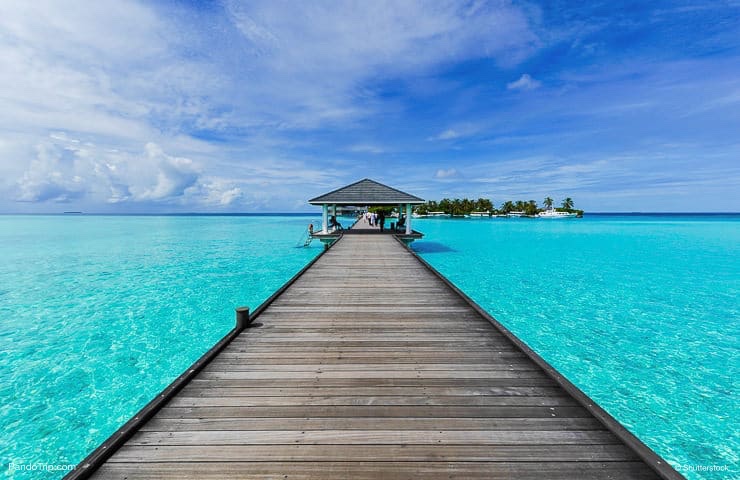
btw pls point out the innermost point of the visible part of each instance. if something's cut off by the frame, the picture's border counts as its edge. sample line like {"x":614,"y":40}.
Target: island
{"x":483,"y":207}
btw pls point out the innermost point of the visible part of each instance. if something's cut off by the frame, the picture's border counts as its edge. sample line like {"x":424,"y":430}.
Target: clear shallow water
{"x":641,"y":313}
{"x":99,"y":313}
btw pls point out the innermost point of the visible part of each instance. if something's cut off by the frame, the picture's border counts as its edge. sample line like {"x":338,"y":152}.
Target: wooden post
{"x":408,"y":219}
{"x":325,"y":219}
{"x":242,"y":318}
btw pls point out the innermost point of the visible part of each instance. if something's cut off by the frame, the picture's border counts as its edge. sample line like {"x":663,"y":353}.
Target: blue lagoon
{"x":640,"y":312}
{"x":99,"y":313}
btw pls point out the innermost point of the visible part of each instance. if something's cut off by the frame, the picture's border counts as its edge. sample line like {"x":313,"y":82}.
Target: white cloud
{"x":66,"y":170}
{"x":448,"y":134}
{"x":525,"y":82}
{"x":318,"y":55}
{"x":442,"y":173}
{"x":115,"y":102}
{"x":366,"y":148}
{"x":220,"y":192}
{"x":458,"y":131}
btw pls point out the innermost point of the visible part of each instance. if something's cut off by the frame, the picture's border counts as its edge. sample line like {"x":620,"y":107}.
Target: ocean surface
{"x":99,"y":313}
{"x":642,"y":313}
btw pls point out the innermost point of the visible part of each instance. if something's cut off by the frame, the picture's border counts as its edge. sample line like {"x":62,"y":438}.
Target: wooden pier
{"x":371,"y":366}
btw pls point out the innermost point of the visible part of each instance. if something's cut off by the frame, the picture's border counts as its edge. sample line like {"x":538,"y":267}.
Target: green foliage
{"x":464,"y":206}
{"x":456,"y":206}
{"x":386,"y":210}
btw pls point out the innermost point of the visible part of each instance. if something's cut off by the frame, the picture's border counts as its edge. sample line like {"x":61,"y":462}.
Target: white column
{"x":325,"y":219}
{"x":408,"y":218}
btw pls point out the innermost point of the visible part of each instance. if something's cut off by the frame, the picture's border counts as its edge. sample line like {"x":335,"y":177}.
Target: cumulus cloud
{"x":220,"y":192}
{"x":66,"y":169}
{"x":149,"y":101}
{"x":525,"y":82}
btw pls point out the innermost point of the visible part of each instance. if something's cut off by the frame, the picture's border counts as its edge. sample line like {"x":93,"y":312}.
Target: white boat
{"x":515,"y":214}
{"x":480,"y":214}
{"x":552,"y":213}
{"x":418,"y":215}
{"x":438,"y":214}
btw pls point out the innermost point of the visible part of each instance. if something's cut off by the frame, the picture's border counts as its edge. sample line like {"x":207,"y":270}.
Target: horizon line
{"x":318,"y":213}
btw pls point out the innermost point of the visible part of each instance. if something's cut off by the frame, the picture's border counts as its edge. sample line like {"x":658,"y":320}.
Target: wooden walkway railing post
{"x":242,"y":318}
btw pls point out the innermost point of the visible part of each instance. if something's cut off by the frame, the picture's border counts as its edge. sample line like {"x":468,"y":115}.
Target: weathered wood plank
{"x":372,"y":370}
{"x":356,"y":400}
{"x":359,"y":470}
{"x":376,"y":382}
{"x":217,"y":390}
{"x":162,"y":424}
{"x":210,"y":374}
{"x":376,"y":437}
{"x":392,"y":411}
{"x":376,"y":453}
{"x":234,"y":366}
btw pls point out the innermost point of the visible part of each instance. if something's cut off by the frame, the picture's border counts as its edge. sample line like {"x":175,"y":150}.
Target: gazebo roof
{"x":366,"y":192}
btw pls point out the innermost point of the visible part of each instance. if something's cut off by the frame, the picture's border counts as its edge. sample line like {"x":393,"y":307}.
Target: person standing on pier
{"x":381,"y":220}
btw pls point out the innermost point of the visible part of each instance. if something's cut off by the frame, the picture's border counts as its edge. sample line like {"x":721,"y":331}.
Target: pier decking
{"x":371,"y":366}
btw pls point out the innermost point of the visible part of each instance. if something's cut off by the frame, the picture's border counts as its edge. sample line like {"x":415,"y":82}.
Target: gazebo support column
{"x":325,"y":219}
{"x":408,"y":218}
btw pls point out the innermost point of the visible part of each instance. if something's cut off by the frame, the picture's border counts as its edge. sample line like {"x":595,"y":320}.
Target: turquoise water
{"x":98,"y":314}
{"x":641,"y":313}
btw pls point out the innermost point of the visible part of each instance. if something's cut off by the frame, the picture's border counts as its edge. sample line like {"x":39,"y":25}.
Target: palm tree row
{"x":465,"y":206}
{"x":456,"y":206}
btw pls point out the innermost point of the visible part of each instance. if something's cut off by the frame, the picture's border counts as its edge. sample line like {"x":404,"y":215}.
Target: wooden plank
{"x":376,"y":453}
{"x":218,"y":390}
{"x":163,"y":424}
{"x":375,"y":437}
{"x":393,"y":411}
{"x":211,"y":374}
{"x":234,"y":366}
{"x":376,"y":382}
{"x":359,"y":470}
{"x":332,"y":385}
{"x":356,"y":400}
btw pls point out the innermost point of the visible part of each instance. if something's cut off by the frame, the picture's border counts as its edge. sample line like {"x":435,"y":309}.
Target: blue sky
{"x":128,"y":106}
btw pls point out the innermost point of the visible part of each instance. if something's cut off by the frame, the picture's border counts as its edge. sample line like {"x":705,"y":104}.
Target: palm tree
{"x":507,"y":207}
{"x":568,"y":204}
{"x":548,"y":202}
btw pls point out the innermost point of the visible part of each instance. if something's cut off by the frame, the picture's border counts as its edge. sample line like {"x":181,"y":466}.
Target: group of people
{"x":375,"y":219}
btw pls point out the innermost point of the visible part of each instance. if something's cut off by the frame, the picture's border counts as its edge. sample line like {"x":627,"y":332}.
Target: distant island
{"x":483,"y":206}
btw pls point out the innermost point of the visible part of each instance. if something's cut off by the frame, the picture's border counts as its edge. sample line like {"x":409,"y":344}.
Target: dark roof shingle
{"x":366,"y":192}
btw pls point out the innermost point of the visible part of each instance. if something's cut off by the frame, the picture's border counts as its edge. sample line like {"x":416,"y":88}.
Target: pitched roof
{"x":366,"y":192}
